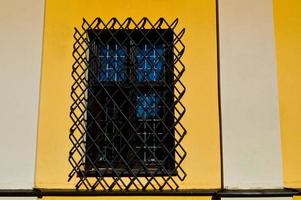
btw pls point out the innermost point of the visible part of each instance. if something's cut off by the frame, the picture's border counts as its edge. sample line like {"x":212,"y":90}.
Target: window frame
{"x":131,"y":39}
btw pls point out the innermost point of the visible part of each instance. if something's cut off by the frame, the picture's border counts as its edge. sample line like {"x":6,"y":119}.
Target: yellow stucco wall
{"x":202,"y":141}
{"x":288,"y":50}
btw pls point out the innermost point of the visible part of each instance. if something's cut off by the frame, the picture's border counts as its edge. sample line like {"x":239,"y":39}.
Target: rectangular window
{"x":130,"y":102}
{"x":127,"y":110}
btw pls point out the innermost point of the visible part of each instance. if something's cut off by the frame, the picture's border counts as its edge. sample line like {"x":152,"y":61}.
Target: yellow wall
{"x":288,"y":50}
{"x":202,"y":141}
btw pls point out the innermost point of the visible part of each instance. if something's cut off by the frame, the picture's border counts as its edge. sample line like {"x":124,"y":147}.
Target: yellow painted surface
{"x":124,"y":198}
{"x":202,"y":164}
{"x":288,"y":50}
{"x":297,"y":198}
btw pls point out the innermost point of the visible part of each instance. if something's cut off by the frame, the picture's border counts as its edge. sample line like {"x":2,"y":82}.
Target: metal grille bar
{"x":126,"y":110}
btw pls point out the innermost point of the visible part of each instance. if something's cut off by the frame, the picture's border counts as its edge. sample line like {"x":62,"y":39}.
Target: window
{"x":130,"y":102}
{"x":126,"y":111}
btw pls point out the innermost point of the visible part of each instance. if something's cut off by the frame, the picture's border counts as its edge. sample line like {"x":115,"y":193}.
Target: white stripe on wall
{"x":21,"y":25}
{"x":249,"y":99}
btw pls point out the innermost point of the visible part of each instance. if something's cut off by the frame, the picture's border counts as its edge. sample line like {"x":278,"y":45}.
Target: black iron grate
{"x":126,"y":110}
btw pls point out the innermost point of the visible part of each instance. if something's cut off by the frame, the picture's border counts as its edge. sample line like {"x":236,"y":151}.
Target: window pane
{"x":150,"y":128}
{"x":149,"y":147}
{"x":148,"y":106}
{"x":112,"y":63}
{"x":150,"y":62}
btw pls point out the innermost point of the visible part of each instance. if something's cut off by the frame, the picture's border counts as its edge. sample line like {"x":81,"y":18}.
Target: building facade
{"x":241,"y":100}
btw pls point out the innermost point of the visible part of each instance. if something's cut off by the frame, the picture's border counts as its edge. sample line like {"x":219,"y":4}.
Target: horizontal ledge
{"x":203,"y":192}
{"x":287,"y":192}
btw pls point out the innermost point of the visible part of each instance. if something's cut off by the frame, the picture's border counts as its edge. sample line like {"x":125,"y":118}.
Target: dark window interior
{"x":130,"y":104}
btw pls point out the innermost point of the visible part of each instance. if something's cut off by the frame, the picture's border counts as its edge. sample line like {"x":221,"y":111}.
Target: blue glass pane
{"x":150,"y":62}
{"x":112,"y":63}
{"x":148,"y":106}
